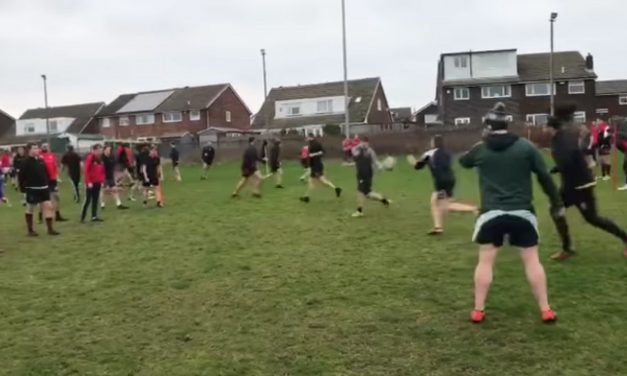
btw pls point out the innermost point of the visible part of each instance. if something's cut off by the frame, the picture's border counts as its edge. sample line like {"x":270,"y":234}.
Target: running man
{"x":18,"y":159}
{"x":366,"y":163}
{"x":577,"y":181}
{"x":250,"y":174}
{"x":304,"y":161}
{"x":94,"y":178}
{"x":127,"y":176}
{"x":274,"y":162}
{"x":316,"y":151}
{"x":440,"y":164}
{"x":153,"y":176}
{"x":33,"y":179}
{"x":174,"y":157}
{"x":50,"y":160}
{"x":505,"y":163}
{"x":71,"y":162}
{"x":207,"y":155}
{"x":110,"y":186}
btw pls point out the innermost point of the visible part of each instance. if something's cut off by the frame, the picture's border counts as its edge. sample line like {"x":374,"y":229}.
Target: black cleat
{"x":257,"y":195}
{"x":338,"y":192}
{"x":305,"y":199}
{"x":122,"y":207}
{"x":97,"y":220}
{"x":279,"y":186}
{"x":33,"y":234}
{"x":53,"y":233}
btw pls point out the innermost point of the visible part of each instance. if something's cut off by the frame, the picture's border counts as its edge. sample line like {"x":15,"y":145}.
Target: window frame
{"x":54,"y":123}
{"x":329,"y":106}
{"x":535,"y":124}
{"x":579,"y":113}
{"x":583,"y":85}
{"x":507,"y":88}
{"x":140,"y":116}
{"x":460,"y":62}
{"x":28,"y":127}
{"x":124,"y":121}
{"x":180,"y":114}
{"x":228,"y":116}
{"x":194,"y":118}
{"x":106,"y":123}
{"x":548,"y":84}
{"x":462,"y":121}
{"x":622,"y":100}
{"x":461,"y":98}
{"x":290,"y":106}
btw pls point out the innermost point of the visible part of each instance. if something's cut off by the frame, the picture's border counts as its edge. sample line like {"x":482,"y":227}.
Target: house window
{"x":143,"y":119}
{"x":538,"y":89}
{"x":462,"y":121}
{"x":537,"y":119}
{"x":461,"y":62}
{"x":501,"y":91}
{"x":461,"y":93}
{"x":29,"y":128}
{"x":325,"y":107}
{"x":622,"y":100}
{"x":579,"y":117}
{"x":228,"y":116}
{"x":194,"y":115}
{"x":106,"y":123}
{"x":53,"y":125}
{"x":379,"y":105}
{"x":576,"y":87}
{"x":172,"y":117}
{"x":508,"y":118}
{"x":293,"y":109}
{"x":124,"y":121}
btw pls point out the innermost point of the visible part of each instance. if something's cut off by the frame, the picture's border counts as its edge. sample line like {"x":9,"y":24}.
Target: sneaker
{"x":357,"y":214}
{"x":279,"y":186}
{"x":606,"y":178}
{"x":562,"y":255}
{"x":435,"y":232}
{"x":234,"y":195}
{"x":305,"y":200}
{"x":386,"y":202}
{"x":97,"y":220}
{"x":33,"y":234}
{"x":338,"y":192}
{"x":549,"y":316}
{"x":53,"y":233}
{"x":257,"y":195}
{"x":122,"y":207}
{"x":477,"y":316}
{"x":623,"y":188}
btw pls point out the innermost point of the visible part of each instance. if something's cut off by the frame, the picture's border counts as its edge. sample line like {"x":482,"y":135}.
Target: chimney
{"x":589,"y":62}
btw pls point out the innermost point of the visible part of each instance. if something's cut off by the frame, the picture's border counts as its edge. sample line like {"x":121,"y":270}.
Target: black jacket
{"x":33,"y":174}
{"x":208,"y":153}
{"x":274,"y":154}
{"x":250,"y":159}
{"x":174,"y":155}
{"x":570,"y":160}
{"x":440,"y":165}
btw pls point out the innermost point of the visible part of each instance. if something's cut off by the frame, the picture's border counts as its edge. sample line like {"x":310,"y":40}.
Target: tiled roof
{"x":358,"y":108}
{"x":568,"y":65}
{"x":82,"y":113}
{"x":613,"y":87}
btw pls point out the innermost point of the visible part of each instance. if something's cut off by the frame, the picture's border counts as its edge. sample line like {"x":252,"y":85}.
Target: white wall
{"x":308,"y":107}
{"x":453,"y":73}
{"x":40,"y":125}
{"x":482,"y":65}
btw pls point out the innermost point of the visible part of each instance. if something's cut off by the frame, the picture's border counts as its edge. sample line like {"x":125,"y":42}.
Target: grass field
{"x":214,"y":286}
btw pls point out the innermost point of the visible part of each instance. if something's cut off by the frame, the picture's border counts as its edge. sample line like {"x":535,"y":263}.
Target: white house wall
{"x":308,"y":107}
{"x":40,"y":126}
{"x":483,"y":65}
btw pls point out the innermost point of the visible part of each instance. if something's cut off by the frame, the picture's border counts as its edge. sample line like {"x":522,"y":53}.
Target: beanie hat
{"x":496,"y":118}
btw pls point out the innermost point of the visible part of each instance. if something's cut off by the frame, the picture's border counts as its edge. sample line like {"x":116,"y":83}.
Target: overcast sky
{"x":94,"y":50}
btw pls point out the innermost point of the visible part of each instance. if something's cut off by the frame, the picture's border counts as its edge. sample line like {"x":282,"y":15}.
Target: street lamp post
{"x":43,"y":77}
{"x":346,"y":104}
{"x":552,"y":65}
{"x":265,"y":82}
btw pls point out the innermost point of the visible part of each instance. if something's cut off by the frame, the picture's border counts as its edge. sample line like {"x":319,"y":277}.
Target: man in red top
{"x":5,"y":164}
{"x":94,"y":177}
{"x":347,"y":146}
{"x":50,"y":161}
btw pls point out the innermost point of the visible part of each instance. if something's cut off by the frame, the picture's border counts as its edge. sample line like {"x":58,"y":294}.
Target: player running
{"x":366,"y":163}
{"x":50,"y":160}
{"x":33,"y":178}
{"x":577,"y":181}
{"x":304,"y":161}
{"x":274,"y":163}
{"x":250,"y":174}
{"x":175,"y":157}
{"x":153,"y":176}
{"x":110,"y":186}
{"x":207,"y":155}
{"x":18,"y":159}
{"x":440,"y":164}
{"x":94,"y":178}
{"x":71,"y":162}
{"x":316,"y":151}
{"x":505,"y":163}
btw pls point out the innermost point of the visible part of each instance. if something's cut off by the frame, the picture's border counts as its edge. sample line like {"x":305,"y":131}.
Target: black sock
{"x":40,"y":216}
{"x":360,"y":209}
{"x":49,"y":224}
{"x":385,"y":201}
{"x":29,"y":221}
{"x":57,"y":215}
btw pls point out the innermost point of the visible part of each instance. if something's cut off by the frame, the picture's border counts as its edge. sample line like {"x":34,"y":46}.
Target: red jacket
{"x":5,"y":162}
{"x":94,"y":170}
{"x":304,"y":152}
{"x":50,"y":160}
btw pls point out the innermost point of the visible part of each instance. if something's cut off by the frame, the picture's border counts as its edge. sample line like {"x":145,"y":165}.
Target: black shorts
{"x":304,"y":162}
{"x":175,"y":163}
{"x":520,"y":232}
{"x":364,"y":184}
{"x":248,"y":172}
{"x":53,"y":186}
{"x":152,"y":182}
{"x":445,"y":190}
{"x":317,"y":170}
{"x":37,"y":196}
{"x":275,"y":167}
{"x":207,"y":162}
{"x":578,"y":197}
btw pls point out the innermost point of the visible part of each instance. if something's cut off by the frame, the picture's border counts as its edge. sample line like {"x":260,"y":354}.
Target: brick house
{"x":611,"y":99}
{"x":7,"y":124}
{"x":470,"y":83}
{"x":309,"y":108}
{"x":172,"y":113}
{"x":427,"y":115}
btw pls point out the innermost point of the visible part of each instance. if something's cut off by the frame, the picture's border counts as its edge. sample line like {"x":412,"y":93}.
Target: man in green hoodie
{"x":505,"y":164}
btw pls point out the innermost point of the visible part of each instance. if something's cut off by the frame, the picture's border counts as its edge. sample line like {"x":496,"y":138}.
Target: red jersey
{"x":5,"y":162}
{"x":304,"y":152}
{"x":347,"y":144}
{"x":354,"y":142}
{"x":50,"y":160}
{"x":94,"y":170}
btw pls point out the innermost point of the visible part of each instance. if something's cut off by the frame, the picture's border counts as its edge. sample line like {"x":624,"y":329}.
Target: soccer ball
{"x":389,"y":163}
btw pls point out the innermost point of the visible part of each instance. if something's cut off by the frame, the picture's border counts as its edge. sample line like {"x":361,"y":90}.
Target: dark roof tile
{"x":82,"y":113}
{"x":568,"y":65}
{"x":613,"y":87}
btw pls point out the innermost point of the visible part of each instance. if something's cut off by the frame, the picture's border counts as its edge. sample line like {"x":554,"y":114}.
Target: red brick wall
{"x":229,"y":101}
{"x":380,"y":117}
{"x":611,"y":103}
{"x":158,"y":129}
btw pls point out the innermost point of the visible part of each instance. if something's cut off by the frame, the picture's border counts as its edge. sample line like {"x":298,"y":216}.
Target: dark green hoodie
{"x":505,"y":163}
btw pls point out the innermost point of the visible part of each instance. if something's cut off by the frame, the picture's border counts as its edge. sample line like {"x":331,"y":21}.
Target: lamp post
{"x":265,"y":82}
{"x":552,"y":64}
{"x":346,"y":104}
{"x":43,"y":77}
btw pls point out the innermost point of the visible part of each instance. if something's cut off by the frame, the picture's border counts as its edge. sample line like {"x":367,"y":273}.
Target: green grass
{"x":214,"y":286}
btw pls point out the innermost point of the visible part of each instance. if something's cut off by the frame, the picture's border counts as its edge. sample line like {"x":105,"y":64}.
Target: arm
{"x":160,"y":172}
{"x":144,"y":172}
{"x":470,"y":158}
{"x":546,"y":182}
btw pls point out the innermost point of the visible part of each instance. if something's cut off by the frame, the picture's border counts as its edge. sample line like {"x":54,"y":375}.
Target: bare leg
{"x":326,"y":182}
{"x":240,"y":185}
{"x":460,"y":207}
{"x":177,"y":173}
{"x":436,"y":212}
{"x":483,"y":274}
{"x":305,"y":174}
{"x":278,"y":178}
{"x":536,"y":276}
